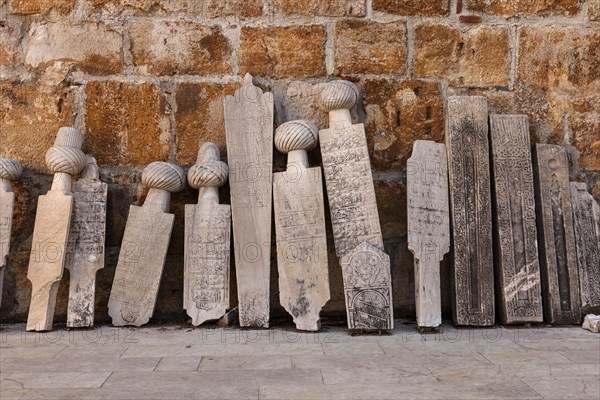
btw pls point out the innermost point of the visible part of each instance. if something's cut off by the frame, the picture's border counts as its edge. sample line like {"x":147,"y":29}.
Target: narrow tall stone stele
{"x":471,"y":210}
{"x":515,"y":238}
{"x":428,"y":226}
{"x":556,"y":238}
{"x":10,"y":170}
{"x":249,"y":131}
{"x":85,"y":253}
{"x":207,"y":240}
{"x":51,"y":230}
{"x":586,"y":214}
{"x":354,"y":216}
{"x":144,"y":248}
{"x":300,"y":227}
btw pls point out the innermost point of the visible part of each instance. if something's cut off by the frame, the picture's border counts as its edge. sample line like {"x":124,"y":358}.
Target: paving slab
{"x":30,"y":380}
{"x":578,"y":388}
{"x":80,"y":364}
{"x":215,"y":363}
{"x":177,"y":363}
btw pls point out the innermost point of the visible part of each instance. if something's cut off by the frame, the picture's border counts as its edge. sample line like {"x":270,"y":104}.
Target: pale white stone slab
{"x":51,"y":230}
{"x":249,"y":130}
{"x":428,"y":225}
{"x":9,"y":170}
{"x":144,"y":248}
{"x":85,"y":253}
{"x":300,"y":227}
{"x":591,"y":322}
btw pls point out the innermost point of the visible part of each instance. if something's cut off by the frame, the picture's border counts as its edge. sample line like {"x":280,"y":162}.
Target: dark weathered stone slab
{"x":368,"y":288}
{"x":85,"y":253}
{"x":470,"y":199}
{"x":586,"y":214}
{"x":517,"y":262}
{"x":300,"y":227}
{"x":249,"y":130}
{"x":144,"y":248}
{"x":428,"y":225}
{"x":556,"y":239}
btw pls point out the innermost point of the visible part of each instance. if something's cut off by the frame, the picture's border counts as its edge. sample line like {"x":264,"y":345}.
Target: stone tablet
{"x":586,"y":213}
{"x":51,"y":230}
{"x":207,"y":240}
{"x":144,"y":248}
{"x":10,"y":170}
{"x":85,"y":253}
{"x":347,"y":168}
{"x":471,"y":210}
{"x":558,"y":260}
{"x":428,"y":225}
{"x":517,"y":262}
{"x":249,"y":131}
{"x":368,"y":288}
{"x":300,"y":227}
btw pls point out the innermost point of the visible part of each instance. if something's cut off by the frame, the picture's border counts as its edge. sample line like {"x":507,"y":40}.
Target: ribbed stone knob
{"x":66,"y":155}
{"x":338,"y":95}
{"x":209,"y":170}
{"x":296,"y":135}
{"x":164,"y":176}
{"x":10,"y":169}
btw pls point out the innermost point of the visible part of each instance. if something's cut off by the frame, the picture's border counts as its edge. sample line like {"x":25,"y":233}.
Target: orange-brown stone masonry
{"x":411,"y":7}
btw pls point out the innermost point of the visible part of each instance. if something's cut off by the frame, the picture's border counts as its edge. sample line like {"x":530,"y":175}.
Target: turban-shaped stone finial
{"x":164,"y":176}
{"x":209,"y":170}
{"x":338,"y":95}
{"x":296,"y":135}
{"x":66,"y":155}
{"x":10,"y":169}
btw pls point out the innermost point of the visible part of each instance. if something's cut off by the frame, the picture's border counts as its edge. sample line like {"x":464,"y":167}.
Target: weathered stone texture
{"x":330,"y":8}
{"x":594,"y":10}
{"x":124,"y":123}
{"x":208,"y":9}
{"x":41,"y":6}
{"x":199,"y":117}
{"x":391,"y":204}
{"x":518,"y":7}
{"x":291,"y":51}
{"x":398,"y":113}
{"x":179,"y":48}
{"x":410,"y":7}
{"x":95,"y":48}
{"x":370,"y":48}
{"x":477,"y":57}
{"x":10,"y":34}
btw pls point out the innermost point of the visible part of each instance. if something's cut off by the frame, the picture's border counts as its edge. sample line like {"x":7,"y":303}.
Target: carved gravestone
{"x":368,"y":288}
{"x":51,"y":230}
{"x":558,"y":260}
{"x":249,"y":131}
{"x":10,"y":170}
{"x":428,"y":226}
{"x":144,"y":248}
{"x":347,"y":168}
{"x":354,"y":216}
{"x":470,"y":205}
{"x":517,"y":262}
{"x":586,"y":214}
{"x":300,"y":227}
{"x":85,"y":253}
{"x":207,"y":240}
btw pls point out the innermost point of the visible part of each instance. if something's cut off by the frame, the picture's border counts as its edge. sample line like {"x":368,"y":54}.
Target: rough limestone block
{"x":471,"y":210}
{"x":10,"y":170}
{"x":586,"y":214}
{"x":517,"y":262}
{"x":300,"y":227}
{"x":428,"y":226}
{"x":556,"y":238}
{"x":249,"y":131}
{"x":51,"y":230}
{"x":207,"y":240}
{"x":85,"y":253}
{"x":144,"y":249}
{"x":592,"y":323}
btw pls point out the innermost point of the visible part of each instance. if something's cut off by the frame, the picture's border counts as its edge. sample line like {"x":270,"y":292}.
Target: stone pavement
{"x":178,"y":362}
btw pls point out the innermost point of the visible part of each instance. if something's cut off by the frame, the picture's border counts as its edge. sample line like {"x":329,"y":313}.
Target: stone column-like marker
{"x":51,"y":231}
{"x":300,"y":227}
{"x":144,"y":248}
{"x":207,"y":240}
{"x":10,"y":170}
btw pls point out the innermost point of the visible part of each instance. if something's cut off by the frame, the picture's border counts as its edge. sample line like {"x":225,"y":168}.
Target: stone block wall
{"x":144,"y":79}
